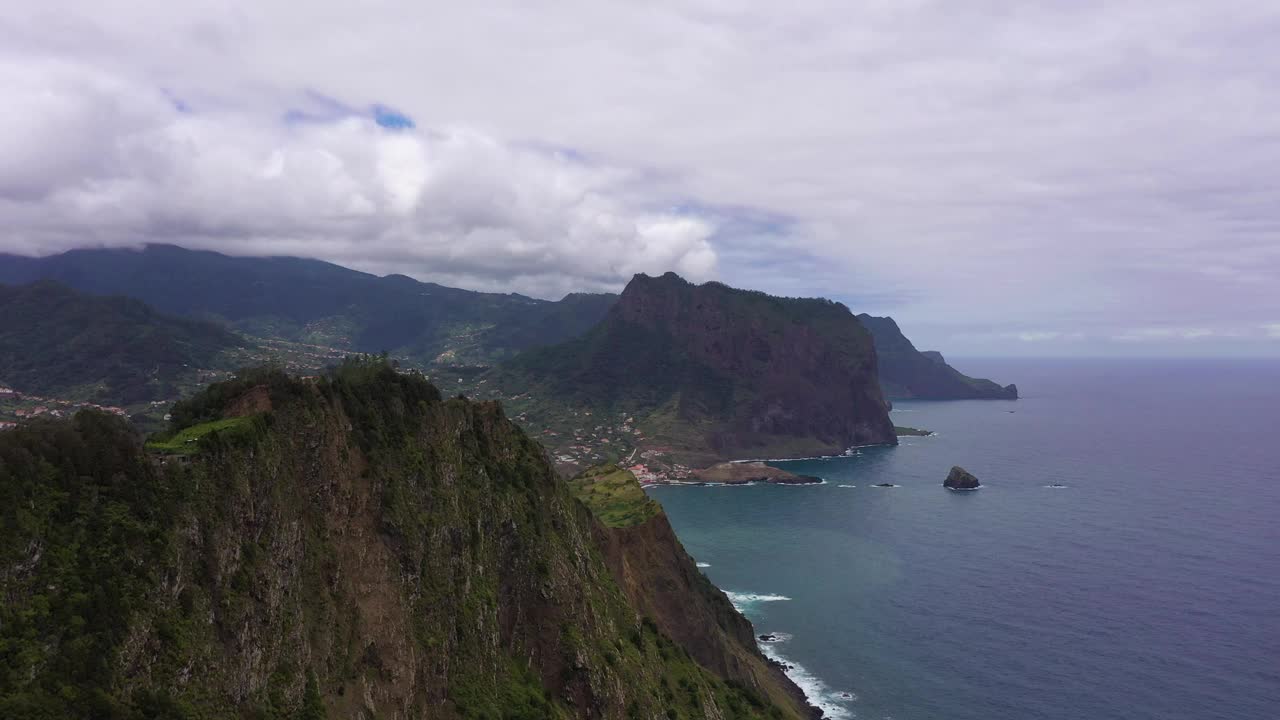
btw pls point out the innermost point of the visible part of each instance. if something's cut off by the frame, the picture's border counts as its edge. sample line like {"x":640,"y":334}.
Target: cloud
{"x":1039,"y":335}
{"x":91,"y":158}
{"x":1088,"y":168}
{"x":1149,"y":334}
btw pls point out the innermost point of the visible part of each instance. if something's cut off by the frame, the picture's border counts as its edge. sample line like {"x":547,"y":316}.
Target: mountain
{"x":112,"y":350}
{"x":317,"y":302}
{"x":716,"y":372}
{"x":348,"y":546}
{"x":907,"y":373}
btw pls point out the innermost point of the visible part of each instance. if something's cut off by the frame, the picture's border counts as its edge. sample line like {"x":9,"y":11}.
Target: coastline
{"x":817,"y":457}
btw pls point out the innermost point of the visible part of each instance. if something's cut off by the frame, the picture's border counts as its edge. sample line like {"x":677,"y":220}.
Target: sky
{"x":1004,"y":178}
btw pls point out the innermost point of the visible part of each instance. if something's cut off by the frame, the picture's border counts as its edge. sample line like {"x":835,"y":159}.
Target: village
{"x":575,"y":439}
{"x":17,"y":406}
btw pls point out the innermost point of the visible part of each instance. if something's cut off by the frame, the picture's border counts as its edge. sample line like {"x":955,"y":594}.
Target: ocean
{"x":1146,"y":588}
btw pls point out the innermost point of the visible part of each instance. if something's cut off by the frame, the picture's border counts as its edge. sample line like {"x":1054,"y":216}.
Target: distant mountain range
{"x":707,"y":370}
{"x":108,"y":350}
{"x":321,"y":303}
{"x":713,"y":371}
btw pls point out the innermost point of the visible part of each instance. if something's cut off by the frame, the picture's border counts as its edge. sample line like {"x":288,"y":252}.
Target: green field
{"x":187,"y":440}
{"x":614,"y":495}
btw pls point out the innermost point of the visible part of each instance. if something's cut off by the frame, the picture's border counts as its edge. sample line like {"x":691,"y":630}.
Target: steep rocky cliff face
{"x":351,"y":547}
{"x":909,"y":373}
{"x":663,"y":583}
{"x":729,"y":372}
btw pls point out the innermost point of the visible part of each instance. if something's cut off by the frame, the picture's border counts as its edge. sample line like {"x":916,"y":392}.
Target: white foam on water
{"x":833,"y":703}
{"x":702,"y":564}
{"x":847,"y":486}
{"x":741,"y":600}
{"x":815,"y":690}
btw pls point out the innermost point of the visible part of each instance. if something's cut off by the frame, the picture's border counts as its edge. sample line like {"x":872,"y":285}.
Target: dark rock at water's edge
{"x":741,"y":473}
{"x":961,"y":479}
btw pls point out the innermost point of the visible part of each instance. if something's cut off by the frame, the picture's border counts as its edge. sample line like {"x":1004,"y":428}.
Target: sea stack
{"x":961,"y":479}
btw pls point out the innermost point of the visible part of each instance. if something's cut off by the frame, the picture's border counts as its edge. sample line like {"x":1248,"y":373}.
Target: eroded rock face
{"x":731,"y":373}
{"x":961,"y":479}
{"x":664,"y":584}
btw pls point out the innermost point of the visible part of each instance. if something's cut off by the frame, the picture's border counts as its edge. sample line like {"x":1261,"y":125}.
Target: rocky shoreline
{"x":742,"y":473}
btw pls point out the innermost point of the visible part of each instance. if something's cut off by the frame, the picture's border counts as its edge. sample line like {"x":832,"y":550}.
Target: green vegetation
{"x":188,"y":439}
{"x":368,"y":531}
{"x":302,"y":300}
{"x":86,"y":527}
{"x":109,"y":350}
{"x":614,"y":496}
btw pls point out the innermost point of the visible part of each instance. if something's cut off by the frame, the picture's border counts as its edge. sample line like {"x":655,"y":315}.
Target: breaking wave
{"x":833,"y":703}
{"x":743,"y":600}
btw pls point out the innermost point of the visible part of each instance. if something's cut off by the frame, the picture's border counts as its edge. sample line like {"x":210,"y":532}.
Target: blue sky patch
{"x":392,"y":119}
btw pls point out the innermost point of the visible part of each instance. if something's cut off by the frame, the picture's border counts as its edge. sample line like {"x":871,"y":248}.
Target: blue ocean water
{"x":1148,"y":588}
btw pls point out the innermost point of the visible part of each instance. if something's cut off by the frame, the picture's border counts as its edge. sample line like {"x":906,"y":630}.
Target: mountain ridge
{"x":308,"y":300}
{"x":908,"y":373}
{"x":118,"y":350}
{"x":732,"y":373}
{"x":355,"y":545}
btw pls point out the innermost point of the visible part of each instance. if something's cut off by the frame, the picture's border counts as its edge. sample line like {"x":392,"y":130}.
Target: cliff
{"x":907,"y":373}
{"x":664,"y":584}
{"x":355,"y":546}
{"x":719,"y":372}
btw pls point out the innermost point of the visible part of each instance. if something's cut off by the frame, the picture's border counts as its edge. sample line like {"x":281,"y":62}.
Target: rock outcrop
{"x":907,"y":373}
{"x":961,"y":479}
{"x":741,"y":473}
{"x":720,"y":373}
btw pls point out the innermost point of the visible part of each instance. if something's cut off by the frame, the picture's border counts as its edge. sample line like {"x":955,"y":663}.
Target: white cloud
{"x":1150,"y":334}
{"x":1073,"y":168}
{"x":1039,"y":335}
{"x":90,"y":158}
